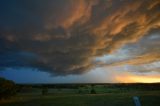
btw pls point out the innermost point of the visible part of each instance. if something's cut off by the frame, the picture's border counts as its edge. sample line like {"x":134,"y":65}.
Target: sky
{"x":80,"y":41}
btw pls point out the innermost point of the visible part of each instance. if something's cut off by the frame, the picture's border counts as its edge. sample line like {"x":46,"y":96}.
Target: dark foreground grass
{"x":147,"y":98}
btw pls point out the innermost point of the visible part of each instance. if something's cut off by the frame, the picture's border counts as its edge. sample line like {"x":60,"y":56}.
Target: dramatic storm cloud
{"x":65,"y":37}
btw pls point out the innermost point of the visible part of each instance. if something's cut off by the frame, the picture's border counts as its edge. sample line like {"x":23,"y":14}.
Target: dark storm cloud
{"x":65,"y":36}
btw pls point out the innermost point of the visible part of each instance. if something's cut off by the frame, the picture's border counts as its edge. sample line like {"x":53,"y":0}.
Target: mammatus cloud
{"x":64,"y":37}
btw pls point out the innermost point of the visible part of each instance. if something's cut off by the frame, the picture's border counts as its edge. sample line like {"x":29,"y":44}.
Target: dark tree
{"x":7,"y":88}
{"x":93,"y":91}
{"x":79,"y":90}
{"x":44,"y":91}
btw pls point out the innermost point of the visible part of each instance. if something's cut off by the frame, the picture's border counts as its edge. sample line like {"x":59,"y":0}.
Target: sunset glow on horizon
{"x":137,"y":79}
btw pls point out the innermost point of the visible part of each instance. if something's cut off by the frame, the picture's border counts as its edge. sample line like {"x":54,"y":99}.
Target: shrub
{"x":7,"y":88}
{"x":93,"y":91}
{"x":44,"y":91}
{"x":79,"y":90}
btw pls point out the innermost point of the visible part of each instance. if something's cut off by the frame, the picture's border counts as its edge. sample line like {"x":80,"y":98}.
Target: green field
{"x":105,"y":96}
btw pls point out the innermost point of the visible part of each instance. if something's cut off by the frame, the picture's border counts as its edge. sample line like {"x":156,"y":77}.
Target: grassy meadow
{"x":81,"y":95}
